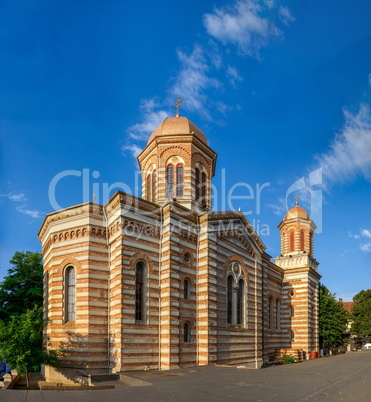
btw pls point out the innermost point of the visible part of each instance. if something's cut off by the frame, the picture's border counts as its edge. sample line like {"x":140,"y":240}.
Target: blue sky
{"x":282,"y":89}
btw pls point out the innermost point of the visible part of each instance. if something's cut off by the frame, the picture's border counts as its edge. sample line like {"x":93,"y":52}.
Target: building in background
{"x":162,"y":281}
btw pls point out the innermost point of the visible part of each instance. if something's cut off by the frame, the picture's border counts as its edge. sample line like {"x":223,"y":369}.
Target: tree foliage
{"x":332,"y":318}
{"x":361,"y":313}
{"x":21,"y":343}
{"x":22,"y":288}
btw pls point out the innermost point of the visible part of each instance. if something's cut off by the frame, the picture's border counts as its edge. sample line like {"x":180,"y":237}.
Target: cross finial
{"x":297,"y":199}
{"x":93,"y":198}
{"x":177,"y":106}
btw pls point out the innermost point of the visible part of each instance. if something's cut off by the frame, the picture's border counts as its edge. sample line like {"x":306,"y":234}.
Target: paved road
{"x":338,"y":378}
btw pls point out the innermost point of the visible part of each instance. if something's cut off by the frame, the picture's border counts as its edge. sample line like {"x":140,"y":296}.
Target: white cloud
{"x":285,"y":15}
{"x":233,"y":75}
{"x":242,"y":25}
{"x":152,"y":117}
{"x":366,"y":247}
{"x":14,"y":197}
{"x":350,"y":152}
{"x":193,"y":80}
{"x":366,"y":233}
{"x":369,"y":79}
{"x":33,"y":214}
{"x":134,"y":149}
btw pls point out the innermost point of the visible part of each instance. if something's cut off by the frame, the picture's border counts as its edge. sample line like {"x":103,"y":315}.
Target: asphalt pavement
{"x":344,"y":377}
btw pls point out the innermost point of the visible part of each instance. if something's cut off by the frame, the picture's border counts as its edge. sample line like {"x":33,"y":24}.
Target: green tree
{"x":332,"y":318}
{"x":361,"y":313}
{"x":22,"y":288}
{"x":21,"y":343}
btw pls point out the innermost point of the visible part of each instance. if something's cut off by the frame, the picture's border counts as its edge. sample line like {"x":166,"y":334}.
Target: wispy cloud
{"x":233,"y":76}
{"x":193,"y":79}
{"x":14,"y":197}
{"x":33,"y":214}
{"x":246,"y":24}
{"x":366,"y":233}
{"x":134,"y":149}
{"x":152,"y":117}
{"x":349,"y":155}
{"x":366,"y":247}
{"x":285,"y":15}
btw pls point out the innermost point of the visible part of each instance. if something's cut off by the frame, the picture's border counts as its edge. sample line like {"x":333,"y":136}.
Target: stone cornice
{"x":76,"y":210}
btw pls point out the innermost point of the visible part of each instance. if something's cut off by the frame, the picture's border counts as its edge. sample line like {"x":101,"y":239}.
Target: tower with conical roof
{"x":177,"y":163}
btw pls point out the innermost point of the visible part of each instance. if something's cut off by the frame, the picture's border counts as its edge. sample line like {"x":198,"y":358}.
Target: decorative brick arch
{"x":152,"y":160}
{"x":174,"y":151}
{"x":69,"y":261}
{"x":140,"y":256}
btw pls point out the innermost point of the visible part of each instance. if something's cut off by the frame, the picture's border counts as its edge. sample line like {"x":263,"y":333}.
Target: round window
{"x":187,"y":258}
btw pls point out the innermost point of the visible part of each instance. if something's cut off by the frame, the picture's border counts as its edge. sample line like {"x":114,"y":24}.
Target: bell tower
{"x":300,"y":283}
{"x":177,"y":164}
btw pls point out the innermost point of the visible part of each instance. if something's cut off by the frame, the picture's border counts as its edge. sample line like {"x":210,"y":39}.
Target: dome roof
{"x":296,"y":212}
{"x":177,"y":125}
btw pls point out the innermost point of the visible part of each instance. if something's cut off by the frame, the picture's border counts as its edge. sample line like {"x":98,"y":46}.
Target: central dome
{"x":175,"y":126}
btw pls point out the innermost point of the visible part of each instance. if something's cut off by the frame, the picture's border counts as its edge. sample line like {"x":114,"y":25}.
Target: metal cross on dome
{"x":177,"y":106}
{"x":297,"y":199}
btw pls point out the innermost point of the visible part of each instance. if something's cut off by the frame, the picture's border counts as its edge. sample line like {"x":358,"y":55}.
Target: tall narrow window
{"x":170,"y":181}
{"x":179,"y":180}
{"x":154,"y":178}
{"x":139,"y":291}
{"x":292,"y":337}
{"x":240,"y":293}
{"x":148,"y":188}
{"x":292,"y":241}
{"x":46,"y":295}
{"x":197,"y":184}
{"x":187,"y":289}
{"x":270,"y":316}
{"x":302,"y":243}
{"x":187,"y":332}
{"x":229,"y":299}
{"x":292,"y":311}
{"x":70,"y":294}
{"x":203,"y":189}
{"x":278,"y":314}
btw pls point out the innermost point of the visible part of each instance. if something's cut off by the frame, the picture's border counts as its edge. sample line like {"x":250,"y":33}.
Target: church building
{"x":163,"y":281}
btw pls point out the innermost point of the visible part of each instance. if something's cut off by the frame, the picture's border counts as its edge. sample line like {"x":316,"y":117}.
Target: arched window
{"x":170,"y":181}
{"x":154,"y":178}
{"x":187,"y":289}
{"x":292,"y":241}
{"x":240,"y":309}
{"x":179,"y":180}
{"x":187,"y":332}
{"x":197,"y":184}
{"x":278,"y":314}
{"x":70,"y":301}
{"x":139,"y":290}
{"x":203,"y":188}
{"x":148,"y":187}
{"x":270,"y":315}
{"x":302,"y":242}
{"x":229,"y":299}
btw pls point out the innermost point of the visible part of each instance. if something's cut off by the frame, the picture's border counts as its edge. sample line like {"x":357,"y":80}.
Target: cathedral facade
{"x":163,"y":282}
